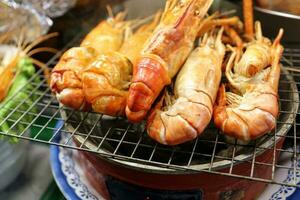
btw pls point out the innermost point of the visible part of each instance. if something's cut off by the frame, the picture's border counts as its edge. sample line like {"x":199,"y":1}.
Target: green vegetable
{"x":15,"y":96}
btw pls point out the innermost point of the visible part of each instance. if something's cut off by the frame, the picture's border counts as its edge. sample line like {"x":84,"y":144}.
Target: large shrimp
{"x":196,"y":89}
{"x":106,"y":80}
{"x":258,"y":55}
{"x":164,"y":53}
{"x":66,"y":80}
{"x":251,"y":109}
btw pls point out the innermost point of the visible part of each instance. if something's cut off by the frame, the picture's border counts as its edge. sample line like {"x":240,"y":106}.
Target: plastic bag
{"x":52,"y":8}
{"x":16,"y":17}
{"x":32,"y":16}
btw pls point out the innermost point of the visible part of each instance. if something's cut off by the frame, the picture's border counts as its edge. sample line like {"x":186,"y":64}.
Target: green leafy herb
{"x":11,"y":108}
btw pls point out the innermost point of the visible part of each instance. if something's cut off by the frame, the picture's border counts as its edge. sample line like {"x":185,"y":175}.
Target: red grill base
{"x":213,"y":186}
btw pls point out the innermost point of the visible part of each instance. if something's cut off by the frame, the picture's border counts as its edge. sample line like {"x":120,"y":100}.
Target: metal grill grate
{"x":119,"y":141}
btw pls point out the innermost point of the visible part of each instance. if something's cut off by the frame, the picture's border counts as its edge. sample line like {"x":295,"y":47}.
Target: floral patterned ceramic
{"x":73,"y":184}
{"x":69,"y":176}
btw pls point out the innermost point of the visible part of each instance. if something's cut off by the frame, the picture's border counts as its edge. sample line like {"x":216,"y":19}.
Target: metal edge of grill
{"x":140,"y":164}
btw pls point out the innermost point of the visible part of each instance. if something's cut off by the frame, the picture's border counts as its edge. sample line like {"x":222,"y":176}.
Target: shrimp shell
{"x":106,"y":80}
{"x":196,"y":88}
{"x":251,"y":109}
{"x":258,"y":55}
{"x":164,"y":53}
{"x":66,"y":77}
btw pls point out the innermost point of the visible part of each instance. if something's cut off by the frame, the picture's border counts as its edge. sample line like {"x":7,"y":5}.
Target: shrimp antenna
{"x":5,"y":36}
{"x":120,"y":16}
{"x":44,"y":67}
{"x":39,"y":40}
{"x":155,"y":17}
{"x":20,"y":41}
{"x":219,"y":34}
{"x":258,"y":31}
{"x":42,"y":49}
{"x":278,"y":38}
{"x":170,"y":4}
{"x":204,"y":39}
{"x":109,"y":11}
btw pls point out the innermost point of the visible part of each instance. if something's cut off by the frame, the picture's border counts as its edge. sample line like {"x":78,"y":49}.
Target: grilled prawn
{"x":251,"y":108}
{"x":66,"y":80}
{"x":164,"y":53}
{"x":186,"y":116}
{"x":258,"y":55}
{"x":106,"y":80}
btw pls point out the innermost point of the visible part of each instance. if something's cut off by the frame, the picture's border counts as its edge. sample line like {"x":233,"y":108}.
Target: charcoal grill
{"x":118,"y":143}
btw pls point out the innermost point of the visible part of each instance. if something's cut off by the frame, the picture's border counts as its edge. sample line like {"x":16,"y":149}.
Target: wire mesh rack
{"x":120,"y":141}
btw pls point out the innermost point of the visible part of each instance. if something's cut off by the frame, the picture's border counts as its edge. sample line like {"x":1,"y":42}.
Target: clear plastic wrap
{"x":32,"y":17}
{"x":52,"y":8}
{"x":16,"y":17}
